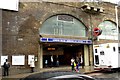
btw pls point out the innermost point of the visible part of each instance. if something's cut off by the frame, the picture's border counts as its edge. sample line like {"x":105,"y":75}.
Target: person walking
{"x":72,"y":63}
{"x":46,"y":63}
{"x":52,"y":61}
{"x":57,"y":63}
{"x":32,"y":64}
{"x":81,"y":61}
{"x":6,"y":67}
{"x":77,"y":64}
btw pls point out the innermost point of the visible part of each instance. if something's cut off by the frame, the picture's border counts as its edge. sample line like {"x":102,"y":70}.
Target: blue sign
{"x":65,"y":40}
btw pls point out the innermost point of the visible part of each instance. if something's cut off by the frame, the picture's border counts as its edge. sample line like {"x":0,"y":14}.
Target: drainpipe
{"x":116,"y":13}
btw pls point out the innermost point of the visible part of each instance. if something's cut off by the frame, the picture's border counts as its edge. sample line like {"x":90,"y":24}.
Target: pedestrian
{"x":46,"y":63}
{"x":6,"y":67}
{"x":72,"y":63}
{"x":57,"y":63}
{"x":81,"y":61}
{"x":32,"y":64}
{"x":77,"y":64}
{"x":52,"y":61}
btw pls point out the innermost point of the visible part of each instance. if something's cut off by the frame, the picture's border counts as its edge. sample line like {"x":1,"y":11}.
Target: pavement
{"x":85,"y":70}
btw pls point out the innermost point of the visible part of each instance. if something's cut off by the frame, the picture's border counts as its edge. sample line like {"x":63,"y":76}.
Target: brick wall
{"x":25,"y":23}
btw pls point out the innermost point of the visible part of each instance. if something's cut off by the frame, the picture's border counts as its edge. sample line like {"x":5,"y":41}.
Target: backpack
{"x":6,"y":65}
{"x":74,"y":64}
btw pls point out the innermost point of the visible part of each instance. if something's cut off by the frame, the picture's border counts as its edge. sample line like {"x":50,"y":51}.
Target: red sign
{"x":97,"y":31}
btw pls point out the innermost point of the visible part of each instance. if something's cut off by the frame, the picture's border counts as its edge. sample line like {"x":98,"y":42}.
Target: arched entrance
{"x":62,"y":37}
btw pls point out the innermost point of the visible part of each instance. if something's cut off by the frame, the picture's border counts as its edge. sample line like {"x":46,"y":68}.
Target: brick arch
{"x":47,"y":16}
{"x":56,"y":15}
{"x":108,"y":21}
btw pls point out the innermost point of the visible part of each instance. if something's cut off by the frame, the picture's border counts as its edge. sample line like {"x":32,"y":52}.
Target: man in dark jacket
{"x":6,"y":67}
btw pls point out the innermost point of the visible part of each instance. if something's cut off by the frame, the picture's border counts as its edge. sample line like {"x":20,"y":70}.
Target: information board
{"x":3,"y":59}
{"x":30,"y":58}
{"x":18,"y":60}
{"x":9,"y":4}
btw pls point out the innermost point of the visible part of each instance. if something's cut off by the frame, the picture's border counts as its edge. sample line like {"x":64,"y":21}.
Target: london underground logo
{"x":97,"y":31}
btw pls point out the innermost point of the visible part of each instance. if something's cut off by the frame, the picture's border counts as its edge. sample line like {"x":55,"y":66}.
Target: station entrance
{"x":61,"y":54}
{"x":62,"y":37}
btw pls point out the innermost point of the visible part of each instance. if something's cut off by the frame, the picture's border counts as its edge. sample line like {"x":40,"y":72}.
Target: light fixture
{"x":20,"y":39}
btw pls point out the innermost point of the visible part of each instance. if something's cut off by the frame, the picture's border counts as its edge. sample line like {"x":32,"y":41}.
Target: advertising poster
{"x":3,"y":59}
{"x":30,"y":58}
{"x":9,"y":4}
{"x":18,"y":60}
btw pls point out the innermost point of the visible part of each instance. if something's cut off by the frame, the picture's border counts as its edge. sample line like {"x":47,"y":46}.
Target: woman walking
{"x":32,"y":65}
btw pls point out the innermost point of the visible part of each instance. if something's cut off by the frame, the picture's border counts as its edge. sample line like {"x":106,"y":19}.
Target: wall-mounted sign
{"x":30,"y":58}
{"x":18,"y":60}
{"x":9,"y":4}
{"x":51,"y":49}
{"x":3,"y":59}
{"x":97,"y":31}
{"x":65,"y":40}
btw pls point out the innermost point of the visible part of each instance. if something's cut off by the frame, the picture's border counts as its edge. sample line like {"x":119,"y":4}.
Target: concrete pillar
{"x":40,"y":56}
{"x":91,"y":55}
{"x":86,"y":55}
{"x":0,"y":40}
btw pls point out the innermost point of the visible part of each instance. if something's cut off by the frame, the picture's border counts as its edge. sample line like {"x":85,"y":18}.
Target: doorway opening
{"x":60,"y":55}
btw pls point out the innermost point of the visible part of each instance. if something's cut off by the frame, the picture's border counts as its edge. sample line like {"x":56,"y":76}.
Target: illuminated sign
{"x":9,"y":4}
{"x":65,"y":40}
{"x":51,"y":49}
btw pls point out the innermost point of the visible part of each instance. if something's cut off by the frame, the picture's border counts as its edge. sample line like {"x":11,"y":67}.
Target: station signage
{"x":97,"y":31}
{"x":65,"y":40}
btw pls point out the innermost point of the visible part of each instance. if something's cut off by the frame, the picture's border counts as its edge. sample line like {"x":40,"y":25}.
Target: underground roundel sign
{"x":97,"y":31}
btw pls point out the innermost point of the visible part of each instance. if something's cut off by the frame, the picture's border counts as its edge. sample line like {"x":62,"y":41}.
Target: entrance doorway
{"x":73,"y":51}
{"x":61,"y":54}
{"x":65,"y":26}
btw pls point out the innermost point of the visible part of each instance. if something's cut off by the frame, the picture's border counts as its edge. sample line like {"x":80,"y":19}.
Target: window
{"x":119,"y":49}
{"x":102,"y":53}
{"x":96,"y":59}
{"x":63,"y":25}
{"x":95,"y":50}
{"x":114,"y":49}
{"x":109,"y":30}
